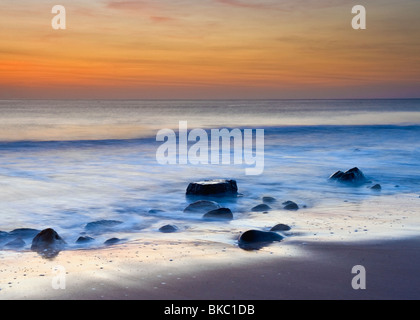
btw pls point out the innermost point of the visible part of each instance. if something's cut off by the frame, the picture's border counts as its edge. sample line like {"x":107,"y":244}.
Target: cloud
{"x":162,"y":19}
{"x":248,"y":4}
{"x":129,"y":5}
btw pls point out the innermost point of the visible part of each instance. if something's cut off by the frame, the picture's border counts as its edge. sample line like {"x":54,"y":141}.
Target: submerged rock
{"x":202,"y":206}
{"x":376,"y":187}
{"x":48,"y":243}
{"x":24,"y":233}
{"x":102,"y":225}
{"x":352,"y":176}
{"x":261,"y":208}
{"x":168,"y":229}
{"x":155,"y":211}
{"x":3,"y":234}
{"x":280,"y":227}
{"x":218,"y":187}
{"x":290,"y":205}
{"x":255,"y":239}
{"x":221,"y":213}
{"x":84,"y":239}
{"x":15,"y":244}
{"x":112,"y":241}
{"x":268,"y":199}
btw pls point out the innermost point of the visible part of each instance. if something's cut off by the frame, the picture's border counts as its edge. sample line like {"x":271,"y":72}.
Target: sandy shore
{"x":176,"y":270}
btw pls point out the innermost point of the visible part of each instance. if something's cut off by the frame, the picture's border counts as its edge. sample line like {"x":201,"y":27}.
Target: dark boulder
{"x":221,"y":213}
{"x":376,"y":187}
{"x":261,"y":208}
{"x":48,"y":243}
{"x":112,"y":241}
{"x":219,"y":187}
{"x":202,"y":206}
{"x":84,"y":239}
{"x":168,"y":229}
{"x":255,"y":239}
{"x":290,"y":205}
{"x":268,"y":200}
{"x":352,"y":176}
{"x":280,"y":227}
{"x":102,"y":225}
{"x":15,"y":244}
{"x":337,"y":175}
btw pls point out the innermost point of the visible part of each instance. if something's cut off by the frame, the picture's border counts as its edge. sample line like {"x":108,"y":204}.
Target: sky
{"x":209,"y":49}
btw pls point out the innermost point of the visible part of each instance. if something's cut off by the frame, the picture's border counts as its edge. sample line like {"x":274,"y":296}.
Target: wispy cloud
{"x":162,"y":19}
{"x":129,"y":5}
{"x":248,"y":4}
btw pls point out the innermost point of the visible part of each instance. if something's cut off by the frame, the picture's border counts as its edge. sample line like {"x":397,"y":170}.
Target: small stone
{"x":255,"y":239}
{"x":84,"y":239}
{"x":376,"y":187}
{"x":155,"y":211}
{"x":102,"y":225}
{"x":112,"y":241}
{"x":261,"y":208}
{"x":221,"y":213}
{"x":168,"y":229}
{"x":268,"y":199}
{"x":280,"y":227}
{"x":290,"y":205}
{"x":15,"y":244}
{"x":24,"y":233}
{"x":202,"y":206}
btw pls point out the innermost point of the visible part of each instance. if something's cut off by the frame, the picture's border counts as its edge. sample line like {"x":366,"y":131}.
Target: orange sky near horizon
{"x":162,"y":49}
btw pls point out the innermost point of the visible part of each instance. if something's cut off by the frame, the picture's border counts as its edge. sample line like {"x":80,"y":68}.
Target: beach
{"x":206,"y":271}
{"x":302,"y":266}
{"x":90,"y":176}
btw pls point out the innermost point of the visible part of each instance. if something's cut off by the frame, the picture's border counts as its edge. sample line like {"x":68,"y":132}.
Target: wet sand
{"x":203,"y":270}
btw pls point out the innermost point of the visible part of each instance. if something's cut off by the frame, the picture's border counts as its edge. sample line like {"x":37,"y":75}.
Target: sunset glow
{"x":209,"y":49}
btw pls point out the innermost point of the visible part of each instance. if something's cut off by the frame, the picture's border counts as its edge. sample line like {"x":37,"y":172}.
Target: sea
{"x":66,"y":163}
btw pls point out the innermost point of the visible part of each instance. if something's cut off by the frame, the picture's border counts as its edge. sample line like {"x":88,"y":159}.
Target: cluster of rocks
{"x":48,"y":243}
{"x":353,"y":177}
{"x":249,"y":240}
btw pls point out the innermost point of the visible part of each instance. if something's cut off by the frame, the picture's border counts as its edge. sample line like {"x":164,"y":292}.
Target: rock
{"x":155,"y":211}
{"x":261,"y":208}
{"x":24,"y":233}
{"x":48,"y":243}
{"x":337,"y":175}
{"x":84,"y":239}
{"x":290,"y":205}
{"x":112,"y":241}
{"x":376,"y":187}
{"x":255,"y":239}
{"x":168,"y":229}
{"x":202,"y":206}
{"x":280,"y":227}
{"x":102,"y":225}
{"x":221,"y":213}
{"x":268,"y":199}
{"x":219,"y":187}
{"x":352,"y":176}
{"x":15,"y":244}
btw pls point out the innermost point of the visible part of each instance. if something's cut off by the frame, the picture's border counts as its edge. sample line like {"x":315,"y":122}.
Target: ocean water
{"x":64,"y":164}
